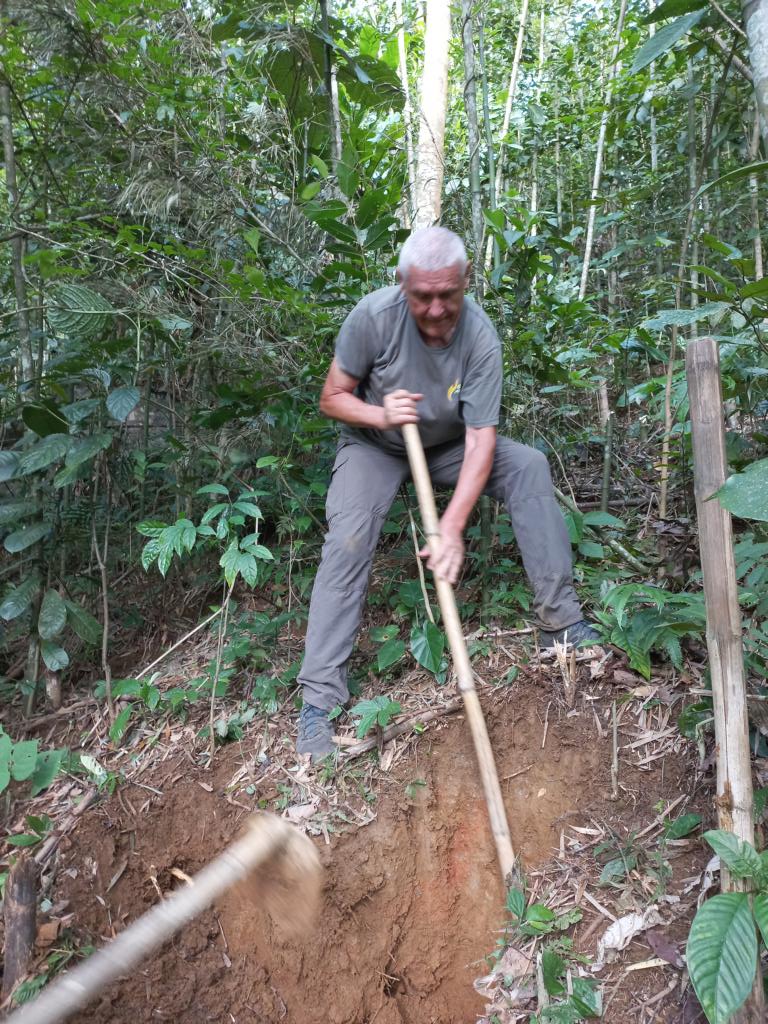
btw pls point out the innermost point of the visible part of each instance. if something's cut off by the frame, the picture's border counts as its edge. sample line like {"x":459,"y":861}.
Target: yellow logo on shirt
{"x":454,"y":389}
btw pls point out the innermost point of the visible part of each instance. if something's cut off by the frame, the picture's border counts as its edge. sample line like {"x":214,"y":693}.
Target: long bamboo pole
{"x":726,"y":660}
{"x":461,"y":663}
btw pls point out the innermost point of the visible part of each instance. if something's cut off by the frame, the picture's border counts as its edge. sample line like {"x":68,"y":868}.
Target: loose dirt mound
{"x":412,"y":901}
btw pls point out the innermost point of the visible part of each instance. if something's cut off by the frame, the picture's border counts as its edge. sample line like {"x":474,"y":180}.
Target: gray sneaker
{"x":579,"y":634}
{"x":315,"y":733}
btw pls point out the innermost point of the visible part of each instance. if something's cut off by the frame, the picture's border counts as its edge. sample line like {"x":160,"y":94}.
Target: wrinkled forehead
{"x":429,"y":281}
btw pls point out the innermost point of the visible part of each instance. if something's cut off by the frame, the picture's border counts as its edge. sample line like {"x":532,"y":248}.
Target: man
{"x":420,"y":352}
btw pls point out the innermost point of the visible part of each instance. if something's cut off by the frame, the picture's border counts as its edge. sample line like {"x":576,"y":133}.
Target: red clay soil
{"x":412,"y":902}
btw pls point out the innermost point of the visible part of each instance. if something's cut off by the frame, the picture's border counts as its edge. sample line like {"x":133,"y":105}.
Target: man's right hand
{"x":400,"y":408}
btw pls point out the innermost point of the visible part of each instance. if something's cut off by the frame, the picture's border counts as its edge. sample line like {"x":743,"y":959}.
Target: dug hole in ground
{"x":413,"y":910}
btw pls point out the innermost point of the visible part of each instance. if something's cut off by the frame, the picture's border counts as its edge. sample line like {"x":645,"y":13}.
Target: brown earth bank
{"x":412,"y":903}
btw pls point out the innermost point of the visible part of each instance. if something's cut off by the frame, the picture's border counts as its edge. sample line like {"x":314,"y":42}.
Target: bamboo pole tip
{"x":288,"y":883}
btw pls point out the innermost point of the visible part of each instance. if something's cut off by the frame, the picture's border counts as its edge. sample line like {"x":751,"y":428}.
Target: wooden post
{"x":726,"y":661}
{"x":20,"y":918}
{"x":461,"y":662}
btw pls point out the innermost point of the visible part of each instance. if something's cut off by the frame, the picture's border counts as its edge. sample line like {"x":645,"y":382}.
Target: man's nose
{"x":436,"y":309}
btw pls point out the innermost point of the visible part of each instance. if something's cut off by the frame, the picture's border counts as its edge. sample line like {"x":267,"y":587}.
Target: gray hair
{"x":432,"y":248}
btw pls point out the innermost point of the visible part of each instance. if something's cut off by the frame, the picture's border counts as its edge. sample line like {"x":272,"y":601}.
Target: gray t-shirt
{"x":380,"y":345}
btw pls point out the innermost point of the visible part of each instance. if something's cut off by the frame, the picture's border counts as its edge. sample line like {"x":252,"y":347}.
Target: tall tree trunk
{"x":755,"y":14}
{"x":511,"y":93}
{"x":473,"y":140}
{"x":754,"y":149}
{"x":407,"y":109}
{"x":331,"y":88}
{"x":598,"y":173}
{"x":433,"y":101}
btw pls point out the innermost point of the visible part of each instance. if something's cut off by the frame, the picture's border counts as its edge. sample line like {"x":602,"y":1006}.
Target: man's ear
{"x":468,"y":273}
{"x":398,"y":276}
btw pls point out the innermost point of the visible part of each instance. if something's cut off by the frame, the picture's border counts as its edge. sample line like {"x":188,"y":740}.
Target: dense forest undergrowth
{"x":194,"y":198}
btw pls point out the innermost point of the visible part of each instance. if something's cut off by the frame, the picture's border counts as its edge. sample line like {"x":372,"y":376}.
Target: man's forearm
{"x":352,"y":410}
{"x":473,"y":476}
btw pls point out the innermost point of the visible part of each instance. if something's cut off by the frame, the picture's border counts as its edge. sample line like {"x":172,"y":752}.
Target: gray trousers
{"x":363,"y":485}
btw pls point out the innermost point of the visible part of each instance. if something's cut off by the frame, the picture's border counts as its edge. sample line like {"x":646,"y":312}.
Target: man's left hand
{"x":448,"y":559}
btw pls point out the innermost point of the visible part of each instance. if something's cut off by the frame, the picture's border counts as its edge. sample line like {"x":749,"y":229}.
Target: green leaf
{"x":48,"y":450}
{"x":266,"y":460}
{"x":213,"y":489}
{"x":22,"y":759}
{"x":253,"y":238}
{"x":87,"y":448}
{"x":15,"y":510}
{"x":377,"y":711}
{"x":741,"y":858}
{"x":235,"y":562}
{"x":83,"y":623}
{"x":746,"y":494}
{"x":120,"y":724}
{"x":23,"y":839}
{"x":722,"y":954}
{"x":310,"y":191}
{"x":46,"y":769}
{"x":685,"y":317}
{"x":77,"y":311}
{"x":24,"y":538}
{"x":682,"y":826}
{"x":665,"y":39}
{"x":55,"y":657}
{"x":589,"y":549}
{"x":19,"y":598}
{"x":6,"y":745}
{"x":53,"y":615}
{"x":538,"y":920}
{"x":741,"y":172}
{"x":428,"y":645}
{"x":9,"y":462}
{"x":122,"y":401}
{"x":391,"y":652}
{"x":380,"y":634}
{"x":673,"y":9}
{"x":598,"y":518}
{"x":754,"y":288}
{"x":44,"y":419}
{"x":552,"y":969}
{"x":586,"y":997}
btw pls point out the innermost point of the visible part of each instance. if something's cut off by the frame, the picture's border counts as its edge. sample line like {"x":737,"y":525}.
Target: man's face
{"x":434,"y":299}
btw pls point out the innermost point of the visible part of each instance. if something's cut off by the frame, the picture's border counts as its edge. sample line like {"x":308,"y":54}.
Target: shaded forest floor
{"x":413,"y":909}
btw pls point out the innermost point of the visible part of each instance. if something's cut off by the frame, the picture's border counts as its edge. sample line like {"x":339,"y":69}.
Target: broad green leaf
{"x":55,"y":657}
{"x":665,"y":39}
{"x":46,"y":769}
{"x":86,"y":448}
{"x":83,"y":623}
{"x":760,"y":167}
{"x":266,"y":460}
{"x":253,"y":238}
{"x":685,"y":317}
{"x":53,"y":615}
{"x":9,"y":462}
{"x":23,"y":839}
{"x":76,"y":412}
{"x":378,"y":711}
{"x":390,"y":652}
{"x":45,"y":418}
{"x":428,"y":645}
{"x":746,"y":494}
{"x":213,"y":489}
{"x":552,"y":969}
{"x":589,"y":549}
{"x":43,"y":453}
{"x":682,"y":826}
{"x":741,"y":858}
{"x":754,"y":288}
{"x":122,"y":401}
{"x":515,"y":902}
{"x":6,"y":745}
{"x":24,"y":538}
{"x":235,"y":562}
{"x":15,"y":510}
{"x":120,"y":724}
{"x":22,"y":760}
{"x":597,"y":518}
{"x":673,"y":9}
{"x":19,"y":599}
{"x":77,"y":311}
{"x":586,"y":997}
{"x":310,"y":191}
{"x":174,"y":323}
{"x":722,"y":954}
{"x":380,"y":634}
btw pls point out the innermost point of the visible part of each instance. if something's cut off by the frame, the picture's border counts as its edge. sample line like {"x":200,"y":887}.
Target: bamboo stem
{"x":734,"y":773}
{"x":461,"y":662}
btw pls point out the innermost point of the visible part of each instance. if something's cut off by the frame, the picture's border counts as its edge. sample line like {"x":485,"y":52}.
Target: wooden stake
{"x":20,"y":916}
{"x":734,"y":775}
{"x":461,"y":662}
